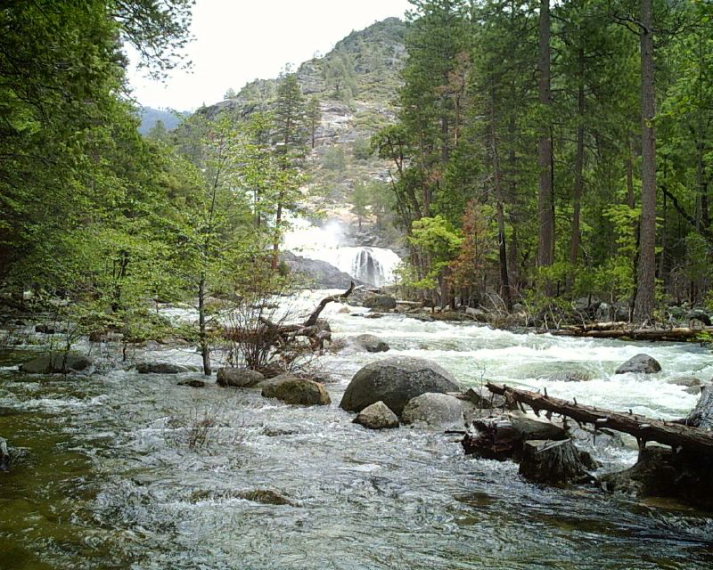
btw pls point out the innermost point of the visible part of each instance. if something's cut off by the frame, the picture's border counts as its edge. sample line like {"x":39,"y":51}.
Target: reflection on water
{"x":116,"y":477}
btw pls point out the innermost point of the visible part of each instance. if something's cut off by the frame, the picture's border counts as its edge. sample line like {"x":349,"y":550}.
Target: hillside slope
{"x":356,"y":85}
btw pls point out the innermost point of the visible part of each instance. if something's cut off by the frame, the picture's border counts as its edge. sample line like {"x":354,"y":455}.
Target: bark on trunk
{"x":202,"y":328}
{"x":546,"y":191}
{"x":646,"y":268}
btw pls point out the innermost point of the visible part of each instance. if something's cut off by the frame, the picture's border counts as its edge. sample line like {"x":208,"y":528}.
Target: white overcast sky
{"x":237,"y":41}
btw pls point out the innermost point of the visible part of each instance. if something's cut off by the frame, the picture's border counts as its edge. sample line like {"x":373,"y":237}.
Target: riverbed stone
{"x":298,"y":391}
{"x":57,"y":363}
{"x":640,"y":364}
{"x":239,"y":377}
{"x":370,"y":343}
{"x":192,"y":383}
{"x":435,"y":411}
{"x":160,"y":368}
{"x":377,"y":416}
{"x":395,"y":381}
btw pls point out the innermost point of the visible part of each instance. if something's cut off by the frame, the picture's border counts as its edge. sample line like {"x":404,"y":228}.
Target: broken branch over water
{"x":643,"y":428}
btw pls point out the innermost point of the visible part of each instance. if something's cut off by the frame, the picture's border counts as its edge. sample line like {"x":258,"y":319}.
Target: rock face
{"x":370,"y":343}
{"x":395,"y":381}
{"x":298,"y":391}
{"x":239,"y":377}
{"x":59,"y":363}
{"x":640,"y":364}
{"x":377,"y":416}
{"x":435,"y":411}
{"x":320,"y":273}
{"x":160,"y":368}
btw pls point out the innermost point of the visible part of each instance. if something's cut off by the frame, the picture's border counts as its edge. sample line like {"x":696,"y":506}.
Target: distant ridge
{"x":150,"y":116}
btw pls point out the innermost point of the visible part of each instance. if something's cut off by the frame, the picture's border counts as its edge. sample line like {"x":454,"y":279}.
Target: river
{"x":129,"y":471}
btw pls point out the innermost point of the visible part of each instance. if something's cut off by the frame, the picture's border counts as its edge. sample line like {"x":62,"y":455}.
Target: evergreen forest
{"x":537,"y":152}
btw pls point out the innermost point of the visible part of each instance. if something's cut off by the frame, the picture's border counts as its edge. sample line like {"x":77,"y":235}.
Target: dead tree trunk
{"x":641,"y":427}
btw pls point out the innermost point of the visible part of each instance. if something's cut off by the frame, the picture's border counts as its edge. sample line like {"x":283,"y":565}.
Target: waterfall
{"x":373,"y":265}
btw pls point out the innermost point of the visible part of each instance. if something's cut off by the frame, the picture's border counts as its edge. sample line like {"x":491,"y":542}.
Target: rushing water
{"x":123,"y":472}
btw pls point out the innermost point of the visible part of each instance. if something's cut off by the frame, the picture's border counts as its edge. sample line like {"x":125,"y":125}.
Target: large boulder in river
{"x":57,"y":363}
{"x":435,"y":411}
{"x":377,"y":416}
{"x":239,"y":377}
{"x":395,"y":381}
{"x":298,"y":391}
{"x":640,"y":364}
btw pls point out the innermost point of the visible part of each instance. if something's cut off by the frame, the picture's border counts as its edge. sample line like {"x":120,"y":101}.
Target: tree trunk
{"x":276,"y":241}
{"x":546,"y":212}
{"x":499,"y":196}
{"x":578,"y":169}
{"x":202,"y":328}
{"x":646,"y":268}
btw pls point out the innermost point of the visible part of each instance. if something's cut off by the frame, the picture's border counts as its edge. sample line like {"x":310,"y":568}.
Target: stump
{"x":4,"y":455}
{"x":553,"y":462}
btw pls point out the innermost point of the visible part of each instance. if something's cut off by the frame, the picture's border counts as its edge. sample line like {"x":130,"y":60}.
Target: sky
{"x":237,"y":41}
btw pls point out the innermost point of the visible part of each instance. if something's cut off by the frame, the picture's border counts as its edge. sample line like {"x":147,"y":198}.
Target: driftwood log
{"x":626,"y":331}
{"x":642,"y":428}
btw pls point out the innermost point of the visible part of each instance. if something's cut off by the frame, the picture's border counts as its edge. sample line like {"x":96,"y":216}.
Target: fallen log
{"x":642,"y":428}
{"x":623,"y":331}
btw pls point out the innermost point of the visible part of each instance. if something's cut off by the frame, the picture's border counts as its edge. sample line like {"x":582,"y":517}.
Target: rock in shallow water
{"x":377,"y":416}
{"x":640,"y":364}
{"x":160,"y":368}
{"x":59,"y":363}
{"x":370,"y":343}
{"x":438,"y":411}
{"x":239,"y":377}
{"x":297,"y":391}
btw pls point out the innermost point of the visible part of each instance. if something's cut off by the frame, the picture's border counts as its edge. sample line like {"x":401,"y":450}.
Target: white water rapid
{"x":372,"y":265}
{"x":135,"y":472}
